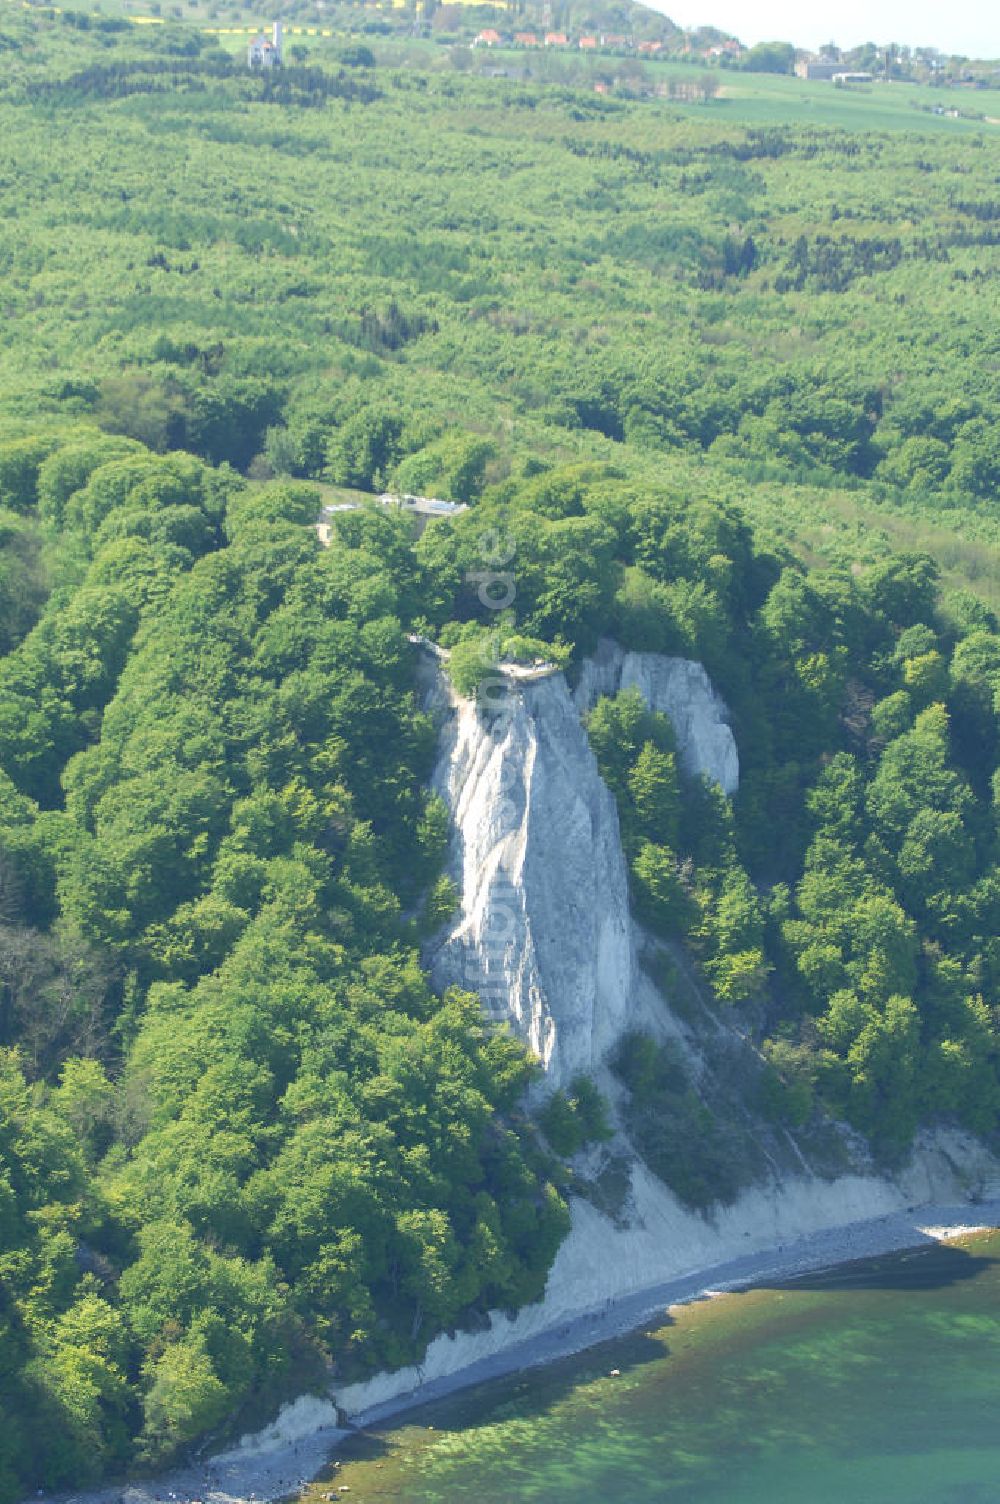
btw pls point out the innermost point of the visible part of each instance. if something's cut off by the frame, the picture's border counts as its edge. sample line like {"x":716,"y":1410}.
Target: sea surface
{"x":872,"y":1383}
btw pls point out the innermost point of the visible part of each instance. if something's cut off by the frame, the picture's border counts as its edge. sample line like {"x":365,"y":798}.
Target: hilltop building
{"x":814,"y":67}
{"x":265,"y":52}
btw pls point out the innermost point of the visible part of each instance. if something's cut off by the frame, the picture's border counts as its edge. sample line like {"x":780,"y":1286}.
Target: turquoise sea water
{"x":876,"y":1383}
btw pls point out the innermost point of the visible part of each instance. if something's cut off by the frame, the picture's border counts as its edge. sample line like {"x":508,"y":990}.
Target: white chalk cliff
{"x":680,"y":690}
{"x":543,"y":932}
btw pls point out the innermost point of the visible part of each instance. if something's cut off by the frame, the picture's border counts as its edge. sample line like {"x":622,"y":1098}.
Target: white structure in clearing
{"x":265,"y":52}
{"x":422,"y":507}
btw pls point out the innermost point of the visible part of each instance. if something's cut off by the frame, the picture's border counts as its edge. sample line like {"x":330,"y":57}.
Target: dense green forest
{"x":731,"y":390}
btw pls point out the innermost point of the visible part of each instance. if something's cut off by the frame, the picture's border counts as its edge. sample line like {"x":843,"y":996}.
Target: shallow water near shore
{"x":873,"y":1381}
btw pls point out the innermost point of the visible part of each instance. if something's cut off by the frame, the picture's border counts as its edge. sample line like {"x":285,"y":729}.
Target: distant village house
{"x":556,"y":39}
{"x":525,"y":39}
{"x":729,"y":48}
{"x":487,"y":38}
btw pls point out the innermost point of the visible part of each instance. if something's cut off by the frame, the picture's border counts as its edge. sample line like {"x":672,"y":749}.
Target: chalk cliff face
{"x":680,"y":690}
{"x":544,"y":933}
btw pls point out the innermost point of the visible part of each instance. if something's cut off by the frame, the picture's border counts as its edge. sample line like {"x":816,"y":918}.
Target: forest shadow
{"x":933,"y":1267}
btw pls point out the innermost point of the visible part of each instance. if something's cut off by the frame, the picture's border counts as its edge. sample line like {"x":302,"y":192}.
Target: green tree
{"x":770,"y":57}
{"x":655,"y":790}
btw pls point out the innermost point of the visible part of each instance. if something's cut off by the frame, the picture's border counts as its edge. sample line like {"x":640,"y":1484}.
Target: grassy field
{"x":769,"y":99}
{"x":844,"y":529}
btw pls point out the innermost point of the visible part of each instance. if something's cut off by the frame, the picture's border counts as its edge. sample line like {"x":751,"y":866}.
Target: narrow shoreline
{"x":855,"y":1242}
{"x":262,"y":1469}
